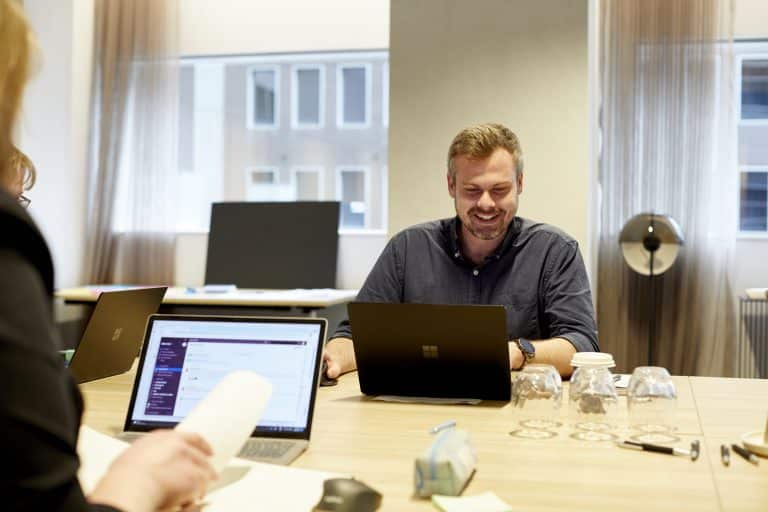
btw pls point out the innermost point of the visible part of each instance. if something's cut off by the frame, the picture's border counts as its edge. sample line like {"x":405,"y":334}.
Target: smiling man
{"x":486,"y":254}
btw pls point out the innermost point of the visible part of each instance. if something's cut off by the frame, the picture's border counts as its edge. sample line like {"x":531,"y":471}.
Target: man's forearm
{"x":555,"y":351}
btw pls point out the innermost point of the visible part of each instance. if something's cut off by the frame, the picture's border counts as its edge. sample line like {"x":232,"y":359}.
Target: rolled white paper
{"x":226,"y":417}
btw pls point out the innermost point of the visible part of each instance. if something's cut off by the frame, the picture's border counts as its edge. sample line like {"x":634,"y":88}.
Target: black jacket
{"x":40,"y":405}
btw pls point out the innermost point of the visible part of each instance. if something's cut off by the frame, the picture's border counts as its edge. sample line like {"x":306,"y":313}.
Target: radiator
{"x":752,"y":347}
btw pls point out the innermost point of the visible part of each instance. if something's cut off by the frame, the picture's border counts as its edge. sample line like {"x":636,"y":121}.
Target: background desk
{"x":326,"y":303}
{"x":377,"y":443}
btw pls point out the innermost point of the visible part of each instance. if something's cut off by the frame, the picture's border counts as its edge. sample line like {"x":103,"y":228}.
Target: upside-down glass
{"x":537,"y":394}
{"x":592,"y":394}
{"x":652,"y":399}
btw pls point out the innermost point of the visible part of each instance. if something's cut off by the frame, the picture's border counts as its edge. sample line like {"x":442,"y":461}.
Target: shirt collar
{"x":454,"y":225}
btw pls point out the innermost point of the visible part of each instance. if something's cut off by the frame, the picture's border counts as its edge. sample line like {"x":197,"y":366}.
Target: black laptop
{"x":430,"y":350}
{"x":114,"y":333}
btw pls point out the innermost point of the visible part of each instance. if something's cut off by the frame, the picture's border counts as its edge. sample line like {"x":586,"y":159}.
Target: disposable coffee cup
{"x":592,"y":360}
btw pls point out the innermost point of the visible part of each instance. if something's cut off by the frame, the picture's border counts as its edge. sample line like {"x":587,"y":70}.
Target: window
{"x":234,"y":147}
{"x":308,"y":183}
{"x":262,"y":184}
{"x":263,"y":98}
{"x":353,"y":99}
{"x":308,"y":97}
{"x":352,"y":191}
{"x":752,"y":102}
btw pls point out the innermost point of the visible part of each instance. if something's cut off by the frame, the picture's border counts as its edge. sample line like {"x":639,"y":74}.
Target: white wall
{"x":524,"y":64}
{"x":54,"y":127}
{"x":265,"y":26}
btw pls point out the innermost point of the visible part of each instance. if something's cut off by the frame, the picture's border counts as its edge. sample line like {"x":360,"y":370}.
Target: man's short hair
{"x":481,"y":140}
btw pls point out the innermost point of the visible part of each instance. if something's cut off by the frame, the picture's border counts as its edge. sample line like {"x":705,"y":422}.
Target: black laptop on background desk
{"x":429,"y":350}
{"x":114,"y":333}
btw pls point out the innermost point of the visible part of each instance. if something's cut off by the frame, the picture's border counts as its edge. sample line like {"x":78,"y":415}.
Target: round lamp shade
{"x":649,"y":234}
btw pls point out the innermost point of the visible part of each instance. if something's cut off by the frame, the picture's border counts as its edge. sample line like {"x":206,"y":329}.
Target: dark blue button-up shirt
{"x":537,"y":274}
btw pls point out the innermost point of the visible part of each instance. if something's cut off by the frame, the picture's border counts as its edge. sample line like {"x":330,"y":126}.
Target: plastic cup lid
{"x":592,"y":360}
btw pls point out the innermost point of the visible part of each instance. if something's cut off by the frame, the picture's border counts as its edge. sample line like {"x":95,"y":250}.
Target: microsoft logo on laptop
{"x":117,"y":333}
{"x":429,"y":351}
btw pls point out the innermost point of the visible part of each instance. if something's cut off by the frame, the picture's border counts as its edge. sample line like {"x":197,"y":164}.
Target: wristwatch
{"x":528,"y":350}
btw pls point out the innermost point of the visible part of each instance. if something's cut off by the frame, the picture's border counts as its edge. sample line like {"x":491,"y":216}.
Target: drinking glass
{"x":536,"y":397}
{"x":594,"y":401}
{"x":652,"y":402}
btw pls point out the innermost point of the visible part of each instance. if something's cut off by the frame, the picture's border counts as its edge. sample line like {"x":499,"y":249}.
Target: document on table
{"x":271,"y":487}
{"x":486,"y":502}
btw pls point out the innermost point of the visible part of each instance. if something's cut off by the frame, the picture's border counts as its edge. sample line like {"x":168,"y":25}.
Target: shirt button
{"x":456,"y":255}
{"x":475,"y":272}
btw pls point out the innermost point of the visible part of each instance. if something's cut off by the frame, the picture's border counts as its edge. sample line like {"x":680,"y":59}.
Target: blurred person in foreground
{"x":40,"y":405}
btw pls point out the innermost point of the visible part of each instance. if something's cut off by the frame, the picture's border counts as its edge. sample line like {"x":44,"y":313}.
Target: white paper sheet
{"x":486,"y":502}
{"x":96,"y":451}
{"x":227,"y":416}
{"x":244,"y":485}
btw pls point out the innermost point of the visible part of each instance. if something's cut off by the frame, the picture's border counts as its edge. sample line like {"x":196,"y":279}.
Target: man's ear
{"x":451,"y":185}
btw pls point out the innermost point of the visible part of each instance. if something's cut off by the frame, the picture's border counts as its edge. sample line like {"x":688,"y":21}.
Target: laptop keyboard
{"x":259,"y":449}
{"x":253,"y":449}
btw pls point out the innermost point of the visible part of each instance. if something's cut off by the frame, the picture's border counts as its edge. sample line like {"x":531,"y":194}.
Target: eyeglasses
{"x":24,"y":201}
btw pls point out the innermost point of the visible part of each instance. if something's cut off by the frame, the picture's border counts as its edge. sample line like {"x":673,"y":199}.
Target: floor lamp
{"x":650,"y":244}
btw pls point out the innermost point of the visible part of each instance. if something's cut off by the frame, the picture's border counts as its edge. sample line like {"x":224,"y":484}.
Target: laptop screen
{"x":184,"y":357}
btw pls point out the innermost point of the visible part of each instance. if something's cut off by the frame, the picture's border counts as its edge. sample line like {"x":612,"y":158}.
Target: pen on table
{"x":745,"y":454}
{"x":693,"y":453}
{"x":725,"y":454}
{"x":442,"y":426}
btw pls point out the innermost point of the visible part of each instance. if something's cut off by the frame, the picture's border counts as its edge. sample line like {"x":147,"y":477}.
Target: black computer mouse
{"x":348,"y":495}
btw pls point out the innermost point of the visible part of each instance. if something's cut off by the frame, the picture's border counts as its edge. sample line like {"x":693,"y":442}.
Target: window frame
{"x":340,"y":90}
{"x":385,"y":94}
{"x":250,"y":100}
{"x":745,"y":51}
{"x":317,"y":169}
{"x":295,"y":123}
{"x":366,"y":171}
{"x":272,"y":169}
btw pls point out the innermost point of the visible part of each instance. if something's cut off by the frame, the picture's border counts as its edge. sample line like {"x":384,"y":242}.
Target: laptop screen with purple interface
{"x":184,"y":357}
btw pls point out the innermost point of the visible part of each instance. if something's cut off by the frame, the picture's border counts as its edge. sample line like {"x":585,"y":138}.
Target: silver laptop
{"x":184,"y":357}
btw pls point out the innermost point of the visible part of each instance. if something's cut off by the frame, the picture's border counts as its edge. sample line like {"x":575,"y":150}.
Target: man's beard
{"x":485,"y":232}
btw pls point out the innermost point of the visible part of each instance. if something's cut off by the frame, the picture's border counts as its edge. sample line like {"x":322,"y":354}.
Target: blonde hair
{"x":481,"y":140}
{"x":15,"y":46}
{"x":24,"y":168}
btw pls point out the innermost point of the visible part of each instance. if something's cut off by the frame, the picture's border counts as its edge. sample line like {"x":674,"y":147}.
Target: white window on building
{"x":752,"y":101}
{"x":353,"y":95}
{"x":263,"y":97}
{"x":308,"y":96}
{"x":352,"y":191}
{"x":260,"y":183}
{"x":308,"y":183}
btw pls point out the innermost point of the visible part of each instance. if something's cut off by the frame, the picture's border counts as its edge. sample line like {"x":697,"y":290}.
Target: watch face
{"x":526,"y":347}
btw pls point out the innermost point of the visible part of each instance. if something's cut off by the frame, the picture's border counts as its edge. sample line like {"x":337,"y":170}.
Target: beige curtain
{"x":667,"y":107}
{"x":133,"y":145}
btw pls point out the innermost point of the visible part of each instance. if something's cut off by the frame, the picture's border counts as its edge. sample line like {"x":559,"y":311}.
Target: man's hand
{"x":339,"y":356}
{"x":516,"y":357}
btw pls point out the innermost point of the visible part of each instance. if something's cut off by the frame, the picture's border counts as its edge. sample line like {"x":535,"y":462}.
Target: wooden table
{"x":377,"y":442}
